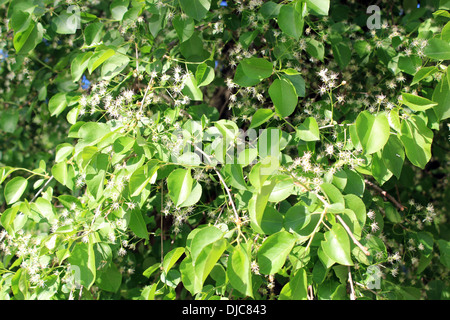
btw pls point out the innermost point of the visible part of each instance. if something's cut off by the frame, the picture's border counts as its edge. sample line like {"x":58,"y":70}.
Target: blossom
{"x":371,"y":214}
{"x":374,"y":226}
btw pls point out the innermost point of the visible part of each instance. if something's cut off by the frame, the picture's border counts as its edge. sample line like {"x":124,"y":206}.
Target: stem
{"x":352,"y":289}
{"x":364,"y":249}
{"x":162,"y":217}
{"x":386,"y":195}
{"x":40,"y":190}
{"x":236,"y":215}
{"x":316,"y":228}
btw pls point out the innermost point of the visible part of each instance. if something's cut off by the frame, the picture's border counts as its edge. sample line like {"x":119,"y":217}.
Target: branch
{"x":352,"y":289}
{"x":238,"y":220}
{"x":310,"y":293}
{"x":39,"y":192}
{"x":364,"y":249}
{"x":385,"y":194}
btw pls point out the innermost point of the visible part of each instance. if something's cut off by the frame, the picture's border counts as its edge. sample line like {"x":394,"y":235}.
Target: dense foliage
{"x":203,"y":149}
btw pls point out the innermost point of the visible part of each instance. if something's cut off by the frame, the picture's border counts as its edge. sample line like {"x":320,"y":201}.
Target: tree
{"x":167,"y":149}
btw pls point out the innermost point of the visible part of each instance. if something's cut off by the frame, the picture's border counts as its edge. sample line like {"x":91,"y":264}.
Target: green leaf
{"x":202,"y":239}
{"x":441,"y":95}
{"x":417,"y":103}
{"x":238,"y":270}
{"x":93,"y":33}
{"x":409,"y":64}
{"x":355,"y":183}
{"x":137,"y":224}
{"x":14,"y":189}
{"x":114,"y":65}
{"x":416,"y":138}
{"x":82,"y":261}
{"x":423,"y":73}
{"x":257,"y":205}
{"x":206,"y":262}
{"x":337,"y":245}
{"x":246,"y":39}
{"x":261,"y":116}
{"x":296,"y":288}
{"x":437,"y":49}
{"x":236,"y":176}
{"x":392,"y":213}
{"x":98,"y":58}
{"x":242,"y":79}
{"x":142,"y":177}
{"x":426,"y":239}
{"x":297,"y":218}
{"x":5,"y":172}
{"x":9,"y":120}
{"x":291,"y":21}
{"x":171,"y":258}
{"x":63,"y":174}
{"x":355,"y":204}
{"x":298,"y":82}
{"x":20,"y":21}
{"x":63,"y":151}
{"x":7,"y":219}
{"x":45,"y":209}
{"x":119,"y":8}
{"x":308,"y":130}
{"x":194,"y":197}
{"x":270,"y":9}
{"x":196,"y":9}
{"x":183,"y":27}
{"x":272,"y":254}
{"x":204,"y":75}
{"x":342,"y":54}
{"x":445,"y":34}
{"x":315,"y":48}
{"x":191,"y":88}
{"x":444,"y":250}
{"x":179,"y":184}
{"x":57,"y":103}
{"x":334,"y":196}
{"x":28,"y":39}
{"x":283,"y":188}
{"x":271,"y":221}
{"x":393,"y":155}
{"x":256,"y":68}
{"x":319,"y":7}
{"x":67,"y":22}
{"x":109,"y":279}
{"x":284,"y":97}
{"x":379,"y":170}
{"x":373,"y":131}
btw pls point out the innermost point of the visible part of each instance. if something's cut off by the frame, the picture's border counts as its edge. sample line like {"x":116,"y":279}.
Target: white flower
{"x":122,"y":252}
{"x":371,"y":214}
{"x":374,"y":226}
{"x":394,"y":272}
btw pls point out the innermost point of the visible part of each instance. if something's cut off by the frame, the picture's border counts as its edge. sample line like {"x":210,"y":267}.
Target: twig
{"x":386,"y":195}
{"x":366,"y":288}
{"x":238,"y":220}
{"x":40,"y":190}
{"x":352,"y":290}
{"x":322,"y":215}
{"x":310,"y":293}
{"x":145,"y":95}
{"x":350,"y":233}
